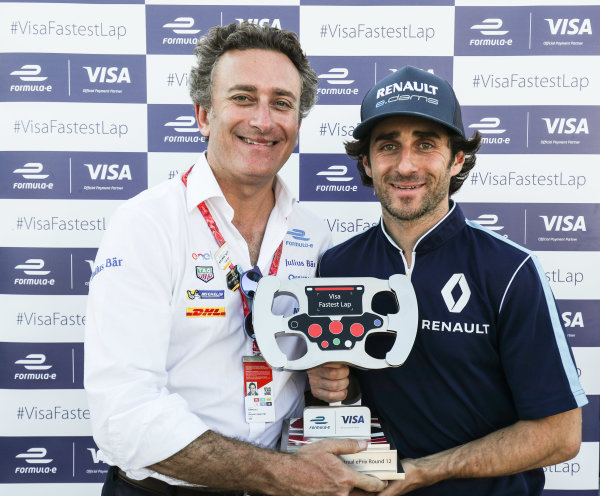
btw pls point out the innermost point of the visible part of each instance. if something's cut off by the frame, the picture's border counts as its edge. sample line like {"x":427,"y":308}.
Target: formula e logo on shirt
{"x":206,"y":294}
{"x":298,"y":234}
{"x":457,"y":283}
{"x":204,"y":273}
{"x":205,"y":312}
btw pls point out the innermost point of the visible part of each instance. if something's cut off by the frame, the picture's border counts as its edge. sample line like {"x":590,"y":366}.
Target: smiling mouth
{"x":404,"y":187}
{"x":252,"y":142}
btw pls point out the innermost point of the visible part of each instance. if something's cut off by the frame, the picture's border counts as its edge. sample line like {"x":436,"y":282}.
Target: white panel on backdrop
{"x":50,"y":412}
{"x":57,"y":223}
{"x":580,"y":472}
{"x":572,"y":276}
{"x":73,"y":126}
{"x":42,"y":27}
{"x":168,"y":78}
{"x":381,"y":30}
{"x":346,"y":219}
{"x":587,"y":364}
{"x":533,"y":178}
{"x":42,"y":319}
{"x":520,"y":3}
{"x":568,"y":80}
{"x":326,"y":128}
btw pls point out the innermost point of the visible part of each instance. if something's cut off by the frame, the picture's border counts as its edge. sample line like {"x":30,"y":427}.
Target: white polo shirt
{"x":156,"y":379}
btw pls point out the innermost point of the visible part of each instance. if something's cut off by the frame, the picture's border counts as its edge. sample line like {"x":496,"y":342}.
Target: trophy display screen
{"x":334,"y":300}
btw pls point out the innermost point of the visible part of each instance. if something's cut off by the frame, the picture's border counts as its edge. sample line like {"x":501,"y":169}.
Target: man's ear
{"x":202,"y":120}
{"x":367,"y":166}
{"x":459,"y":160}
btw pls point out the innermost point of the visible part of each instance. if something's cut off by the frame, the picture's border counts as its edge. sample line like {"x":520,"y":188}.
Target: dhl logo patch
{"x":205,"y":312}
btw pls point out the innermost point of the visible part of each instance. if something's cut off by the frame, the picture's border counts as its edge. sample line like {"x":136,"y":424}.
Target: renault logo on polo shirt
{"x":456,"y":293}
{"x":204,"y":272}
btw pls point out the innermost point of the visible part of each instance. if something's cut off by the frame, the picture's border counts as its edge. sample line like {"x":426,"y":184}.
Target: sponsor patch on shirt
{"x":205,"y":312}
{"x":205,"y":294}
{"x":204,"y":272}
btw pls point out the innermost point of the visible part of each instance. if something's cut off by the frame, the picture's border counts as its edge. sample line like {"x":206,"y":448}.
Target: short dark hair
{"x":469,"y":146}
{"x":246,"y":36}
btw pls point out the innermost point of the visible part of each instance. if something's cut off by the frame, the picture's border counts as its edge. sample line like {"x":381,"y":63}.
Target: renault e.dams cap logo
{"x":182,"y":25}
{"x":490,"y":27}
{"x":456,"y":293}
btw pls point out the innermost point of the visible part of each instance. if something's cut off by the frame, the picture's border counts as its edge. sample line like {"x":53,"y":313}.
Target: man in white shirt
{"x":166,"y":355}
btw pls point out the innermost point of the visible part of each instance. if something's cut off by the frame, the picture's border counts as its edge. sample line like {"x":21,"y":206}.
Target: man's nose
{"x":261,"y":117}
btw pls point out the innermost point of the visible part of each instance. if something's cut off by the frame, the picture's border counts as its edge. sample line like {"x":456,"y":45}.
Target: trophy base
{"x":378,"y":460}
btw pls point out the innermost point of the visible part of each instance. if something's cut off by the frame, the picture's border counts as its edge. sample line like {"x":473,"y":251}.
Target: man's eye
{"x":426,"y":146}
{"x":283,"y":104}
{"x":240,"y":98}
{"x":388,"y":147}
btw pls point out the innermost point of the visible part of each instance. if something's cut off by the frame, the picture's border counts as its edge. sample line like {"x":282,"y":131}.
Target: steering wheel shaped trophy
{"x":334,"y":319}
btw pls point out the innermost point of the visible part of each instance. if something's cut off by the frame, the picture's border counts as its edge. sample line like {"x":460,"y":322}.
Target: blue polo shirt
{"x":490,"y":347}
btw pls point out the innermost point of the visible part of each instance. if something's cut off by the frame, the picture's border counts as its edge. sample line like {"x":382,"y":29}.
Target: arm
{"x":525,"y":445}
{"x":218,"y":461}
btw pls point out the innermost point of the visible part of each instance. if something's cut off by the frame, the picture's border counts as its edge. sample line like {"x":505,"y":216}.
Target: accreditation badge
{"x":259,"y":402}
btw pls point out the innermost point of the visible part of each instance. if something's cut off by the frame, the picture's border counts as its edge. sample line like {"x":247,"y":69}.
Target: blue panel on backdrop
{"x":50,"y":460}
{"x":75,"y":175}
{"x":581,"y":320}
{"x":46,"y":271}
{"x":175,"y":29}
{"x":52,"y":77}
{"x":331,"y":177}
{"x":173,"y":128}
{"x":42,"y":365}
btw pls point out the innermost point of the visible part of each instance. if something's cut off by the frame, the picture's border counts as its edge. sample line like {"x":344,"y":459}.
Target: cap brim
{"x":364,"y":128}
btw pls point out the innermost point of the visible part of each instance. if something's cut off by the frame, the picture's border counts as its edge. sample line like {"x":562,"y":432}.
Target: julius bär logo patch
{"x":204,"y":272}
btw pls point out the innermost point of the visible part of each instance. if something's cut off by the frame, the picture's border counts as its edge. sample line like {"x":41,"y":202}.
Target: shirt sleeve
{"x":136,"y":420}
{"x":536,"y":357}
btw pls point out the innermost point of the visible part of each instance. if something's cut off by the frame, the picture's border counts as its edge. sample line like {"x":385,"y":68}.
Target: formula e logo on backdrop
{"x":338,"y":85}
{"x":173,"y":128}
{"x":456,"y":285}
{"x":181,"y":26}
{"x":34,"y":361}
{"x":35,"y":171}
{"x":38,"y":462}
{"x":33,"y":267}
{"x":336,"y":173}
{"x":490,"y":129}
{"x":490,"y":221}
{"x":320,"y":180}
{"x":492,"y":30}
{"x":30,"y":74}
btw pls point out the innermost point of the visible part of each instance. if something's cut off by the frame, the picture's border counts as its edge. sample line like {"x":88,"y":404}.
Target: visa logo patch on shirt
{"x":205,"y":312}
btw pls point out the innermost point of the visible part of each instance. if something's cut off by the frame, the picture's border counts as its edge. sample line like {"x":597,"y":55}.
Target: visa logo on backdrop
{"x":110,"y":172}
{"x":108,"y":74}
{"x":569,"y":26}
{"x":562,"y":132}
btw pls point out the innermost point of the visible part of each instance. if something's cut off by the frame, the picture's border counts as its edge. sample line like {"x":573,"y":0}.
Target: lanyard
{"x":214,"y":229}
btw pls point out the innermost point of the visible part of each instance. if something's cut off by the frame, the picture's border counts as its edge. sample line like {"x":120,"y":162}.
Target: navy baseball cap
{"x":410,"y":91}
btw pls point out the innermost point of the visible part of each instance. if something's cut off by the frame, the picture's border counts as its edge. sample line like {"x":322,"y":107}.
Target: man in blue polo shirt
{"x":489,"y":393}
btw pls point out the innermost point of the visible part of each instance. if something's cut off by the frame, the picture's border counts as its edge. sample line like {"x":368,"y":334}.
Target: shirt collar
{"x":202,"y":186}
{"x":438,"y":234}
